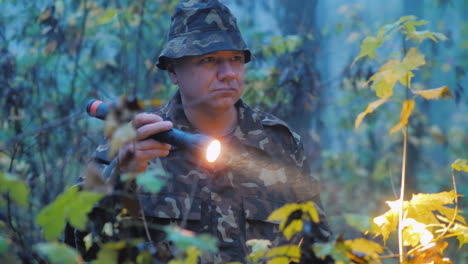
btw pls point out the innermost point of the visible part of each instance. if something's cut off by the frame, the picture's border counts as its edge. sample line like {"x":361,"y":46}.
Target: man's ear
{"x":173,"y":76}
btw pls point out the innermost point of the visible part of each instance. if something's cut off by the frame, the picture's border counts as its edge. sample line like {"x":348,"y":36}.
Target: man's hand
{"x":134,"y":156}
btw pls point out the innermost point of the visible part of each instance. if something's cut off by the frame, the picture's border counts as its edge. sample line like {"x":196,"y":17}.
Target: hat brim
{"x":200,"y":43}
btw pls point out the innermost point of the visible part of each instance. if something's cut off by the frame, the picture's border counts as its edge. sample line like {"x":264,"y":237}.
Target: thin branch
{"x":124,"y":47}
{"x":455,"y":213}
{"x":79,"y":49}
{"x":145,"y":223}
{"x":47,"y":127}
{"x":138,"y":48}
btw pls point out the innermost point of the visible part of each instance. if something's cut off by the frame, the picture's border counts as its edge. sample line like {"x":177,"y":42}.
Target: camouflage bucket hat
{"x":199,"y":27}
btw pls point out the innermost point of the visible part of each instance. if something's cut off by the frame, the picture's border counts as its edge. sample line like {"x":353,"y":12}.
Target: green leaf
{"x":191,"y":257}
{"x":107,"y":16}
{"x":3,"y":245}
{"x":361,"y":222}
{"x":385,"y":79}
{"x":17,"y":189}
{"x":460,"y":165}
{"x":71,"y":205}
{"x":58,"y":253}
{"x":266,"y":50}
{"x":292,"y":42}
{"x":278,"y":45}
{"x":337,"y":250}
{"x":410,"y":26}
{"x":151,"y":181}
{"x":259,"y":248}
{"x":80,"y":207}
{"x":107,"y":256}
{"x":183,"y":239}
{"x":258,"y":244}
{"x":420,"y":36}
{"x":368,"y":47}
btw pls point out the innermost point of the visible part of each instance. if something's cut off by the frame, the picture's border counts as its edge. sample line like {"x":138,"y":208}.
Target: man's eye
{"x":208,"y":60}
{"x":238,"y":58}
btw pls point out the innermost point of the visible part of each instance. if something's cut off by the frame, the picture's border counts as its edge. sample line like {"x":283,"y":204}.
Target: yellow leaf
{"x":94,"y":180}
{"x":432,"y":253}
{"x":367,"y":247}
{"x":370,"y":108}
{"x":406,"y":111}
{"x":294,"y":227}
{"x":370,"y":44}
{"x":284,"y":254}
{"x":45,"y":14}
{"x":51,"y":46}
{"x":461,"y":232}
{"x":310,"y":209}
{"x":460,"y":165}
{"x":415,"y":233}
{"x":385,"y":224}
{"x":434,"y":94}
{"x":282,"y":213}
{"x":121,"y":136}
{"x":425,"y":207}
{"x":395,"y":70}
{"x":385,"y":79}
{"x":307,"y":212}
{"x":111,"y":124}
{"x":413,"y":59}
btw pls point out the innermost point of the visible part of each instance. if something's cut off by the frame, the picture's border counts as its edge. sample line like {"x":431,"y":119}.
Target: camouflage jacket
{"x":262,"y":167}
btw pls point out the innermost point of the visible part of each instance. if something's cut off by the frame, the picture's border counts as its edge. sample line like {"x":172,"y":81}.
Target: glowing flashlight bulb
{"x":213,"y":151}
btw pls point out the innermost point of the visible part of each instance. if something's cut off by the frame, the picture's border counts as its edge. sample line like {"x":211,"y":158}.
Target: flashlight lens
{"x":213,"y":151}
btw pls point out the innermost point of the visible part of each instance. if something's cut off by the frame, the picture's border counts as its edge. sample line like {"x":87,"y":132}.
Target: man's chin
{"x":223,"y":103}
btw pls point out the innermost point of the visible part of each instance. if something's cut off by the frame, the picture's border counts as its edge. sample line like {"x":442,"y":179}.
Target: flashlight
{"x":176,"y":137}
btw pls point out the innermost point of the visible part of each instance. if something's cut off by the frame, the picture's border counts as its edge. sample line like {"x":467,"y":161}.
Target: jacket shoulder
{"x":277,"y":127}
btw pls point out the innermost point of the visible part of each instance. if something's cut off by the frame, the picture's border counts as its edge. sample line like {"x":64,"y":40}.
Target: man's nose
{"x":226,"y":70}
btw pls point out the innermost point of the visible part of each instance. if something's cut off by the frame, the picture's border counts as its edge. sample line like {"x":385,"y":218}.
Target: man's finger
{"x":151,"y":144}
{"x":146,"y":155}
{"x":145,"y":118}
{"x":147,"y":130}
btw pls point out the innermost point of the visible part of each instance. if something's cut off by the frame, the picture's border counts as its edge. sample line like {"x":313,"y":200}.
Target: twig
{"x":138,"y":49}
{"x":401,"y":248}
{"x":145,"y":224}
{"x":52,"y":125}
{"x":454,"y":182}
{"x":123,"y":48}
{"x":187,"y":210}
{"x":79,"y":49}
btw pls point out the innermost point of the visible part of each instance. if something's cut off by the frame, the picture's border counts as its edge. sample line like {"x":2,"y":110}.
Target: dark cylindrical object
{"x":175,"y":137}
{"x":97,"y":108}
{"x":179,"y":138}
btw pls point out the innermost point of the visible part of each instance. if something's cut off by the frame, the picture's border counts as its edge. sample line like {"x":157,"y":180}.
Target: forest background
{"x":56,"y":55}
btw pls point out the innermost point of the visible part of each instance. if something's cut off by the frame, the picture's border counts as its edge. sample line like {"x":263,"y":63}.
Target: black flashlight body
{"x":174,"y":136}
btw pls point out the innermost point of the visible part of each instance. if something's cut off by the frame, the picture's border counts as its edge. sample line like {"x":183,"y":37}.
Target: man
{"x":262,"y":165}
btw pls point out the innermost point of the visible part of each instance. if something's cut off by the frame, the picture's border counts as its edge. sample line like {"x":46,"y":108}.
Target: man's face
{"x":212,"y":82}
